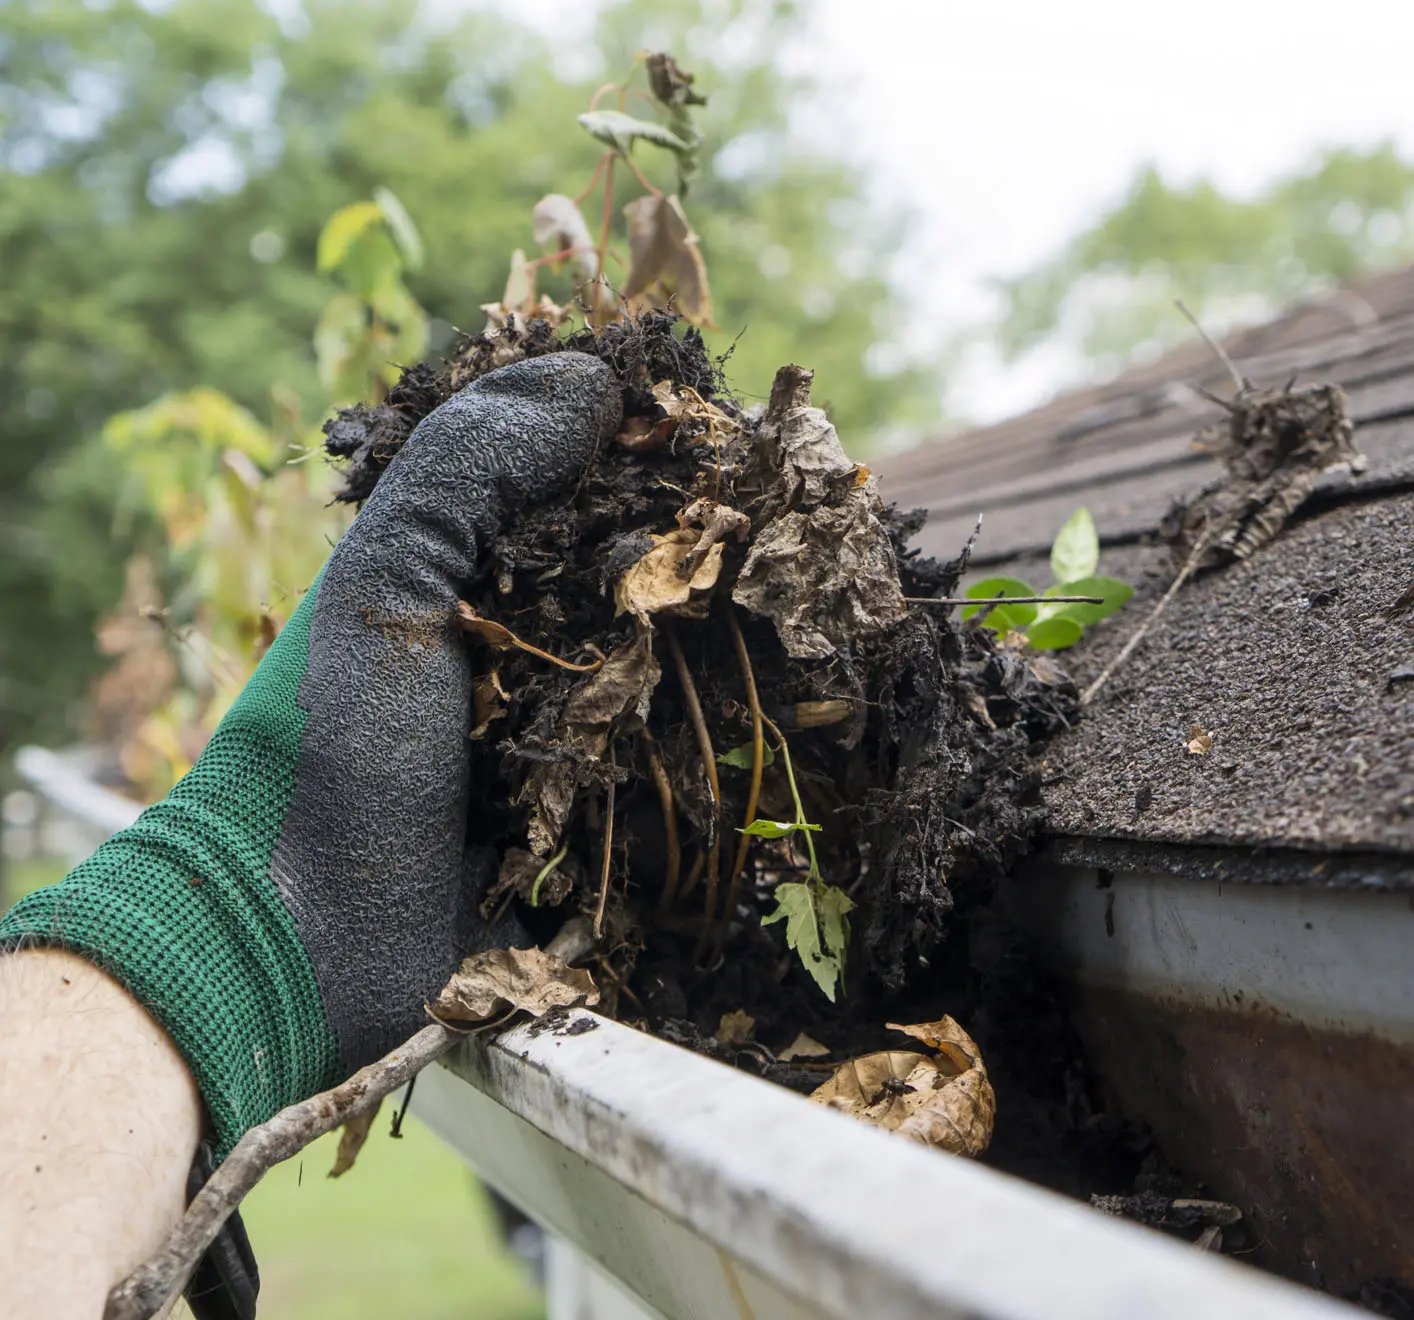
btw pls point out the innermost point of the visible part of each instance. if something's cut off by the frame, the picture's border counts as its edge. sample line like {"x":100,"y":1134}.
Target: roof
{"x":1299,"y":661}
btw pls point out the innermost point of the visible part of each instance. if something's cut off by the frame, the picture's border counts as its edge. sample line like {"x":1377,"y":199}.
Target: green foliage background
{"x":164,"y":174}
{"x":1233,"y":260}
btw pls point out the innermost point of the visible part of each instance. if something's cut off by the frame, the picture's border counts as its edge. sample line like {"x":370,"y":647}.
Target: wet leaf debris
{"x":716,"y":729}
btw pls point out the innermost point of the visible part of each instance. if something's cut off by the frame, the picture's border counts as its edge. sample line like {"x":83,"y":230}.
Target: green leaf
{"x":342,"y":230}
{"x":1112,"y":591}
{"x":372,"y":265}
{"x":400,"y":222}
{"x":744,"y":757}
{"x":337,"y":338}
{"x":1002,"y":618}
{"x":1076,"y":550}
{"x":774,"y":829}
{"x":1053,"y":634}
{"x":620,"y":131}
{"x":817,"y":928}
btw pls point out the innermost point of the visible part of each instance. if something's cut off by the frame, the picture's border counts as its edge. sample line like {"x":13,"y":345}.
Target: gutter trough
{"x":1266,"y":1031}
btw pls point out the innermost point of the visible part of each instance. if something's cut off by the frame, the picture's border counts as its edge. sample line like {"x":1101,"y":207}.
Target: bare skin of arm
{"x":100,"y":1124}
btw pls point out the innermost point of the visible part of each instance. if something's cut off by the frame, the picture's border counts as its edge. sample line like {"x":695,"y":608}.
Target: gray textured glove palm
{"x":286,"y":911}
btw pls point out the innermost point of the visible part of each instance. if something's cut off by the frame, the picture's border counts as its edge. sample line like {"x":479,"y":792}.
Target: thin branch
{"x":758,"y":757}
{"x":1142,"y":630}
{"x":608,"y":849}
{"x":694,"y":874}
{"x":604,"y":229}
{"x":598,"y":168}
{"x":1004,"y":600}
{"x":670,"y":822}
{"x":152,"y":1285}
{"x":1238,"y":379}
{"x":709,"y":767}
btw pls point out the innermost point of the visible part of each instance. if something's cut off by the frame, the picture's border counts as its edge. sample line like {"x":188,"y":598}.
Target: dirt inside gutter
{"x":926,"y":790}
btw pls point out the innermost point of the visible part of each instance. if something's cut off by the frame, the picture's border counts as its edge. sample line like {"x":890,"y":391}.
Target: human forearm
{"x":101,"y":1124}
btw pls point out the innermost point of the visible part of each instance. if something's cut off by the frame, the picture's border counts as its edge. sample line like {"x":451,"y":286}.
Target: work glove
{"x":289,"y":907}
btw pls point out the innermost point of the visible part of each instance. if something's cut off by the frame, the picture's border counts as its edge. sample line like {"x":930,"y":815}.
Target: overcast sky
{"x":1011,"y":125}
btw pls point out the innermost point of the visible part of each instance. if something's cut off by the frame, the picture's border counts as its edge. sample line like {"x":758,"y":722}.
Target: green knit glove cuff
{"x":181,"y":910}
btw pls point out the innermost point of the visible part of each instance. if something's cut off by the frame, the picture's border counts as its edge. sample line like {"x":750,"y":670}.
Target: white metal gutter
{"x":708,"y":1193}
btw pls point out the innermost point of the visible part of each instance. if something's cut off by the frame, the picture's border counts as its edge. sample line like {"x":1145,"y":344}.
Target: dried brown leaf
{"x":642,"y":435}
{"x":352,"y":1137}
{"x":803,"y":1047}
{"x":943,"y":1100}
{"x":799,"y":442}
{"x":488,"y":700}
{"x":665,"y":262}
{"x":488,"y":985}
{"x":825,"y":578}
{"x":656,"y":585}
{"x":619,"y":691}
{"x":735,"y":1028}
{"x":560,"y":225}
{"x":1200,"y":741}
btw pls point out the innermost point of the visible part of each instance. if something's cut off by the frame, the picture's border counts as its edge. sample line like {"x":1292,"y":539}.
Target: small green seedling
{"x":816,"y":913}
{"x":1052,"y":627}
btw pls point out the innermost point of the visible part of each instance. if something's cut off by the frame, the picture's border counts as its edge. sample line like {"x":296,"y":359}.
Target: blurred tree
{"x":1111,"y":290}
{"x":165,"y":170}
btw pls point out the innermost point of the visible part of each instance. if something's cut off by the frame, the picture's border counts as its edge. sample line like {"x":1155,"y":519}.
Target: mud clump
{"x":714,"y":628}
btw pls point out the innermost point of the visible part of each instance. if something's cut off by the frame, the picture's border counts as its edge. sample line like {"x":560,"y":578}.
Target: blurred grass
{"x":406,"y":1233}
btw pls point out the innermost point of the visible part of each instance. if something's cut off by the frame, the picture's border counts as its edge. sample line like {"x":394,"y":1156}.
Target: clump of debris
{"x":725,"y":727}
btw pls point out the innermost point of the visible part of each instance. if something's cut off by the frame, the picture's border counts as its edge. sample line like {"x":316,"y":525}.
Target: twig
{"x":604,"y":228}
{"x":670,"y":822}
{"x":709,"y":768}
{"x":1004,"y":600}
{"x":694,"y":874}
{"x":1142,"y":630}
{"x":152,"y":1285}
{"x":758,"y":757}
{"x":1238,"y":379}
{"x":608,"y":849}
{"x":501,"y":638}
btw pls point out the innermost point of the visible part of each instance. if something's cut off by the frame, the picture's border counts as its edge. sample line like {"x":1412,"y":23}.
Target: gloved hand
{"x":288,"y":908}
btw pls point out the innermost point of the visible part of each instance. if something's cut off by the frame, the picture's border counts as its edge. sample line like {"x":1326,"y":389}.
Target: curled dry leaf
{"x":642,"y":435}
{"x":656,"y":585}
{"x":824,"y":570}
{"x":943,"y":1100}
{"x":559,"y":227}
{"x":488,"y":985}
{"x":682,"y":403}
{"x":824,"y":578}
{"x":488,"y":699}
{"x":619,"y":691}
{"x":819,"y":714}
{"x":803,"y":1047}
{"x":800,"y":442}
{"x":735,"y":1028}
{"x":718,"y":521}
{"x":1200,"y":741}
{"x":352,"y":1137}
{"x":665,"y":262}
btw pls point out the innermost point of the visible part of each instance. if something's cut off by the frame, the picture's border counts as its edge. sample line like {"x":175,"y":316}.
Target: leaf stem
{"x":545,"y":872}
{"x":800,"y":819}
{"x":758,"y":749}
{"x":1004,"y":600}
{"x":608,"y":854}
